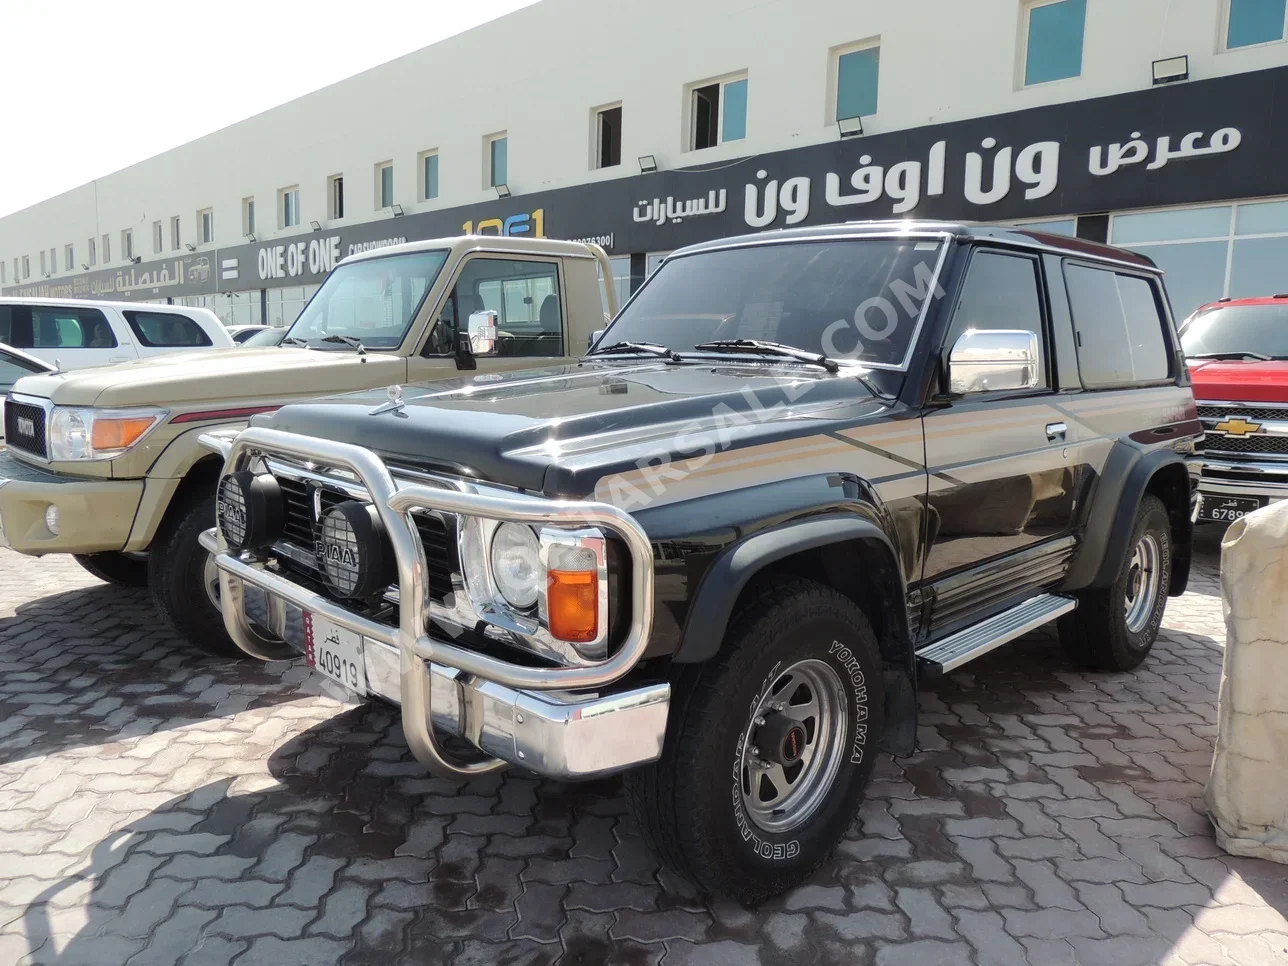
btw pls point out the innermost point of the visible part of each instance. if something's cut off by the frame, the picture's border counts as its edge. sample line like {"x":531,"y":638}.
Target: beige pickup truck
{"x":104,"y":463}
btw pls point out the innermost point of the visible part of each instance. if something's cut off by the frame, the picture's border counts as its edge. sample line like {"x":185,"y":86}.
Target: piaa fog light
{"x":51,"y":519}
{"x":250,"y":511}
{"x":353,"y":551}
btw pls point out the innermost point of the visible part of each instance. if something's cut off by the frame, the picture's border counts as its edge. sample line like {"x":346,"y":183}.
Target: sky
{"x":92,"y":87}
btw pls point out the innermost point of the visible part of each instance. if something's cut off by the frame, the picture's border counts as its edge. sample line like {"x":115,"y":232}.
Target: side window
{"x":1001,"y":292}
{"x":166,"y":330}
{"x":1118,"y":328}
{"x":57,"y":328}
{"x":524,"y":295}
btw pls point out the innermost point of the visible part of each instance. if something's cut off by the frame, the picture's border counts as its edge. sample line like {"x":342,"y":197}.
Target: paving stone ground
{"x":158,"y":807}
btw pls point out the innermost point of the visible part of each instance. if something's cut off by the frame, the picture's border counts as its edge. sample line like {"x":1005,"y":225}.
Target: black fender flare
{"x":1123,"y":483}
{"x":713,"y":602}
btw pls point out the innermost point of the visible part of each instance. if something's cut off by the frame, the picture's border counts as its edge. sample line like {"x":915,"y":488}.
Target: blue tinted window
{"x":499,"y":149}
{"x":735,"y":111}
{"x":431,"y":176}
{"x":857,"y":74}
{"x":1055,"y":41}
{"x":1255,"y":22}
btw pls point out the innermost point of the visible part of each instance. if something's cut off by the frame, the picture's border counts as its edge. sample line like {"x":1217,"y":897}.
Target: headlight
{"x":98,"y":434}
{"x":516,"y":564}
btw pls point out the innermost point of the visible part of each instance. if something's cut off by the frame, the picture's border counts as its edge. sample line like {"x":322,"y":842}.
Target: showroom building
{"x":1155,"y":124}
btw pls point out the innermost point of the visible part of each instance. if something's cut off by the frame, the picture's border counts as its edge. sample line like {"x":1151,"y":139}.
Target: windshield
{"x":857,"y":300}
{"x":373,"y":300}
{"x":1260,"y":329}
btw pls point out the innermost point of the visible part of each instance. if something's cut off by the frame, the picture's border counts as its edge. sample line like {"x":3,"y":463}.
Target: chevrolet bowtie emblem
{"x":1237,"y":427}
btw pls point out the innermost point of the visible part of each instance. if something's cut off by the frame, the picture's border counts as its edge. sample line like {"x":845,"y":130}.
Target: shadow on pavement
{"x":96,"y":665}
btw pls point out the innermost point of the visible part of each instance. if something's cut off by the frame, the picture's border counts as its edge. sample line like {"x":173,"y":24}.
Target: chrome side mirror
{"x":594,"y":337}
{"x":482,"y":332}
{"x":994,"y":360}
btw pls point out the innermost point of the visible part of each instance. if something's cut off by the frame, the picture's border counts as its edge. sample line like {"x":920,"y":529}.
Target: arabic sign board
{"x":1207,"y":140}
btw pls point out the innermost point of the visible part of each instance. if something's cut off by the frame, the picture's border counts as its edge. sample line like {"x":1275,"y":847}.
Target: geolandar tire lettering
{"x":770,"y":745}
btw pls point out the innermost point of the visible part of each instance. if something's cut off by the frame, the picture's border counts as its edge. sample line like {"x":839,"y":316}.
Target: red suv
{"x":1237,"y":351}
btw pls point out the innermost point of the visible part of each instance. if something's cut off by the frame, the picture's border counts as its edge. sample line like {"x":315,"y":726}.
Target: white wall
{"x":537,"y":73}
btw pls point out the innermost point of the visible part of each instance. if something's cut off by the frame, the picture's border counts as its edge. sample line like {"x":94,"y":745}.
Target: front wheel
{"x":125,"y":570}
{"x":769,"y":746}
{"x":1114,"y":627}
{"x":184,"y":580}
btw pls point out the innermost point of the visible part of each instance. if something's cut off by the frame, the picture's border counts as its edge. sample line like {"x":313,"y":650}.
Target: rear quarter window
{"x":54,"y":327}
{"x":1119,"y":328}
{"x":167,"y":330}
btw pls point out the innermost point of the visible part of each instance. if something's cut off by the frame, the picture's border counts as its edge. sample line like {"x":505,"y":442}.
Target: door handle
{"x":1057,"y":431}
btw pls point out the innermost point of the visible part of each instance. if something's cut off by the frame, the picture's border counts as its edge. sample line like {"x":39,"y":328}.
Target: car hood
{"x":220,"y":375}
{"x":558,"y":430}
{"x":1252,"y":381}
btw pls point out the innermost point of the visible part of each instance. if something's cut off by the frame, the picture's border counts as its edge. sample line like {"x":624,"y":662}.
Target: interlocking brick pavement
{"x":161,"y":807}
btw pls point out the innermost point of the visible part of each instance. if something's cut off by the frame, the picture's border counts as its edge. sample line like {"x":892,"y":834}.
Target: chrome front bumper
{"x":555,"y":721}
{"x":1240,"y":478}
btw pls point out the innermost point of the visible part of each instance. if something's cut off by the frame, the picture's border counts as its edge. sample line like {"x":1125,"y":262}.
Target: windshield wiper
{"x":760,"y":347}
{"x":645,"y":348}
{"x":348,"y":340}
{"x":1232,"y":355}
{"x":294,"y":340}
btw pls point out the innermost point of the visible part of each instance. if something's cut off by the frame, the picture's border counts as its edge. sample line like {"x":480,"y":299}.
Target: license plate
{"x":335,"y":651}
{"x":1227,"y":509}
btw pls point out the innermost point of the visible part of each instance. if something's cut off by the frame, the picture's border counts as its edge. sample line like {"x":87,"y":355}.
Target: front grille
{"x":16,"y":415}
{"x":1245,"y":445}
{"x":1255,"y":414}
{"x":436,"y":535}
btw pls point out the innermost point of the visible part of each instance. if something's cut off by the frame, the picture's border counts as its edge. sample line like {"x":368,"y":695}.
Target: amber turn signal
{"x":572,"y":605}
{"x":122,"y":433}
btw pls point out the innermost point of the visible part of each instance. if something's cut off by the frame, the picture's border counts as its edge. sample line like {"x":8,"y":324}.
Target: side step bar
{"x":977,"y":640}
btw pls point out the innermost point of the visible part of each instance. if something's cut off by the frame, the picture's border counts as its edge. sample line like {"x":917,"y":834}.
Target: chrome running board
{"x":978,"y":639}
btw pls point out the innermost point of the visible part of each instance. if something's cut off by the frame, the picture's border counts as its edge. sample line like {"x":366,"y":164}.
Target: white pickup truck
{"x":78,"y":333}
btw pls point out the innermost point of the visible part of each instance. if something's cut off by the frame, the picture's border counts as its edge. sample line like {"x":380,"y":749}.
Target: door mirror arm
{"x":465,"y":360}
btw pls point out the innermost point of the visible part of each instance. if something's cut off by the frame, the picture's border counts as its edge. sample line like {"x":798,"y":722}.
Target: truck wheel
{"x":177,"y":577}
{"x":769,"y":745}
{"x":115,"y":568}
{"x":1114,"y":627}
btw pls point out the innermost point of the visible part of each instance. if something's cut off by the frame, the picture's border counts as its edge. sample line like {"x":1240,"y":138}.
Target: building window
{"x":858,"y":71}
{"x":107,"y":249}
{"x":26,"y":266}
{"x":608,"y":136}
{"x":717,"y":112}
{"x":289,"y":206}
{"x":44,"y":264}
{"x":175,"y":239}
{"x":1055,"y":34}
{"x":248,"y":216}
{"x":127,"y":244}
{"x":206,"y":225}
{"x":335,"y":196}
{"x":69,"y":258}
{"x":158,"y":238}
{"x":1252,"y":22}
{"x":428,"y":175}
{"x":93,"y":254}
{"x":2,"y":274}
{"x":497,"y":147}
{"x":384,"y":184}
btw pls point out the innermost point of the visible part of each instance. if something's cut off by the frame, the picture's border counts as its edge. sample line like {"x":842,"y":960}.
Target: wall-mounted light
{"x":648,"y":164}
{"x":250,"y":236}
{"x":45,"y":275}
{"x":85,"y":266}
{"x":397,"y":210}
{"x":1171,"y":69}
{"x":190,"y":246}
{"x":502,"y":190}
{"x":316,"y":226}
{"x":135,"y":259}
{"x":850,"y":127}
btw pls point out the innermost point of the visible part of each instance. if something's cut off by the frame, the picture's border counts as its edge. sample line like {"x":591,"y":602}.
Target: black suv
{"x":797,"y":471}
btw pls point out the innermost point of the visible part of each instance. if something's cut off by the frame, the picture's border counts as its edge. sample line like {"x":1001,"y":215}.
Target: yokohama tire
{"x":696,"y":805}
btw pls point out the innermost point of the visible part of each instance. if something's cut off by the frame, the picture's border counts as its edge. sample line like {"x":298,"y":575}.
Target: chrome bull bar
{"x":394,"y":502}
